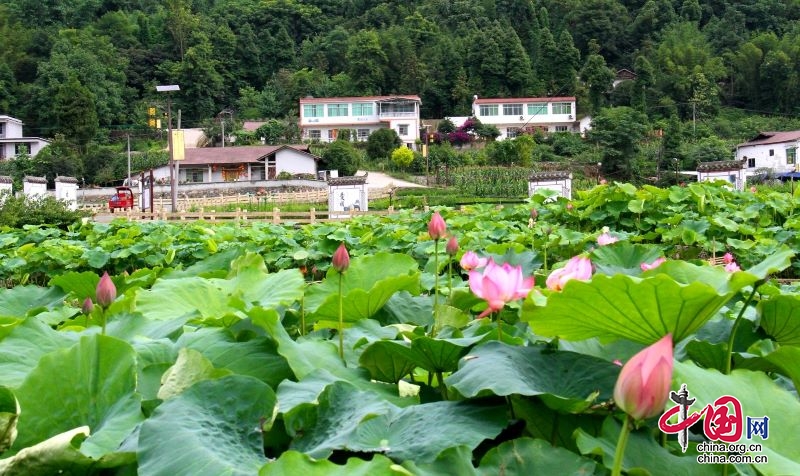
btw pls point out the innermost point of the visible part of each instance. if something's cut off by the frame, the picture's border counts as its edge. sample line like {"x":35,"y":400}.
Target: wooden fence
{"x":274,"y":216}
{"x":259,"y":201}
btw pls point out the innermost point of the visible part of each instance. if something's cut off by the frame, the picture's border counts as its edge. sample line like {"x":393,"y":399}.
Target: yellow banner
{"x":178,"y":145}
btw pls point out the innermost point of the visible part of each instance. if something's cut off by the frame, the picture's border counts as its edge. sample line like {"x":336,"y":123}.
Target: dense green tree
{"x":567,"y":63}
{"x":402,"y":157}
{"x":366,"y":62}
{"x":273,"y":132}
{"x":605,"y":21}
{"x":381,"y":143}
{"x":342,"y":156}
{"x":619,"y":131}
{"x":75,"y":114}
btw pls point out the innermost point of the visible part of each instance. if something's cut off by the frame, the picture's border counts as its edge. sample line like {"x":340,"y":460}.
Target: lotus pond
{"x":239,"y":349}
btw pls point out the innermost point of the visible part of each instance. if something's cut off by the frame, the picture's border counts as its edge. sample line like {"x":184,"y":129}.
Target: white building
{"x":14,"y":143}
{"x":513,"y":116}
{"x":771,"y":150}
{"x":731,"y":171}
{"x":238,"y":164}
{"x":322,"y":119}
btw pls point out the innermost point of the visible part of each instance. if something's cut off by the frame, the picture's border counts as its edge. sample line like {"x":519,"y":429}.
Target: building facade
{"x":514,"y":116}
{"x":770,"y":150}
{"x":13,"y":142}
{"x":323,"y":119}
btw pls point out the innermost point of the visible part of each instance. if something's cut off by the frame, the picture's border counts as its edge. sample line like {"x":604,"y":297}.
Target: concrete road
{"x":380,"y":180}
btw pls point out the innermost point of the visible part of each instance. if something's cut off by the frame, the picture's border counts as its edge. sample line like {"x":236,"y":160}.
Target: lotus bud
{"x":578,"y":267}
{"x":727,"y":258}
{"x":106,"y":292}
{"x":643,"y":384}
{"x":470,"y":260}
{"x":452,"y":246}
{"x":655,"y":264}
{"x":437,"y":227}
{"x":341,"y":259}
{"x":87,"y":306}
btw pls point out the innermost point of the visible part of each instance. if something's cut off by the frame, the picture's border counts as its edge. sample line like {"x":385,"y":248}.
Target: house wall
{"x":772,"y":156}
{"x":294,"y":162}
{"x":735,"y":177}
{"x":562,"y":187}
{"x":11,"y":136}
{"x":530,"y":116}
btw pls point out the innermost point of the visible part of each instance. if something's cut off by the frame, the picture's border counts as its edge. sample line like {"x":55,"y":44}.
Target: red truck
{"x":122,"y":199}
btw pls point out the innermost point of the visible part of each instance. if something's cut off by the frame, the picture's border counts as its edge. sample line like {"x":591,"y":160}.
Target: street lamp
{"x":676,"y":168}
{"x":173,"y":179}
{"x":599,"y":169}
{"x":222,"y":120}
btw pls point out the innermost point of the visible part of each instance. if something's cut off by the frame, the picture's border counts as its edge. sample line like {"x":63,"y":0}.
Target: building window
{"x":194,"y":175}
{"x":402,"y":129}
{"x":537,"y":109}
{"x":512,"y":132}
{"x":363,"y":109}
{"x":751,"y":162}
{"x":313,"y":110}
{"x":258,"y":172}
{"x":272,"y":168}
{"x":771,"y":152}
{"x":2,"y":151}
{"x":362,"y":135}
{"x":314,"y":134}
{"x":337,"y":110}
{"x":2,"y":129}
{"x":562,"y":108}
{"x":488,"y":110}
{"x":562,"y":129}
{"x":512,"y":109}
{"x":22,"y":148}
{"x":791,"y":155}
{"x":332,"y":134}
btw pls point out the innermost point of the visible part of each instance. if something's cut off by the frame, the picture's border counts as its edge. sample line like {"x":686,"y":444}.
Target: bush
{"x":16,"y":212}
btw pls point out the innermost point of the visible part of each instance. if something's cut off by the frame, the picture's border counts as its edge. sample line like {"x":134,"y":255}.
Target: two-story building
{"x":771,"y":150}
{"x":513,"y":116}
{"x":14,"y":143}
{"x":321,"y":119}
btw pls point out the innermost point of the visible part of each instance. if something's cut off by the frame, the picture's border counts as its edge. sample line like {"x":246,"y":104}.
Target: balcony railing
{"x":397,"y":114}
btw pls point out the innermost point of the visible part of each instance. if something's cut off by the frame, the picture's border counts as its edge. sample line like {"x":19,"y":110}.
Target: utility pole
{"x":173,"y":173}
{"x":129,"y":159}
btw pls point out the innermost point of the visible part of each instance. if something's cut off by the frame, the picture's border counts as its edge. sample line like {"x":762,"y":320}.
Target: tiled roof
{"x":720,"y":165}
{"x":6,"y":179}
{"x":764,"y":138}
{"x":553,"y":175}
{"x":521,"y":100}
{"x":32,"y":179}
{"x":350,"y":180}
{"x":359,"y":98}
{"x":235,"y":155}
{"x":64,"y":179}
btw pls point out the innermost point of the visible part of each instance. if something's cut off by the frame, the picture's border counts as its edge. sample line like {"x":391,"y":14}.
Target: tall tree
{"x":619,"y":131}
{"x":75,"y":114}
{"x":597,"y":77}
{"x":366,"y":62}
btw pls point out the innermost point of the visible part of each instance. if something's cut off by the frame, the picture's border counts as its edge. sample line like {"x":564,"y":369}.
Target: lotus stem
{"x":435,"y":286}
{"x":621,"y":443}
{"x":341,"y":320}
{"x":736,"y":323}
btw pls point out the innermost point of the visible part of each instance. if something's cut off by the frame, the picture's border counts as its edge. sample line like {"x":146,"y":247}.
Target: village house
{"x":770,"y":150}
{"x":13,"y":142}
{"x":322,"y":119}
{"x":514,"y":116}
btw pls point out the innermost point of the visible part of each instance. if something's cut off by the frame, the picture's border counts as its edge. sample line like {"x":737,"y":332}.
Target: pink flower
{"x":437,"y":227}
{"x":578,"y":267}
{"x":732,"y":267}
{"x":655,"y":264}
{"x":570,"y":206}
{"x":106,"y":292}
{"x":471,"y":261}
{"x":643,"y":384}
{"x":617,"y":362}
{"x":727,"y":258}
{"x":603,"y":181}
{"x":499,"y":284}
{"x":606,"y":239}
{"x":753,"y":189}
{"x":87,"y":306}
{"x":452,"y":246}
{"x":534,"y":213}
{"x":341,"y":259}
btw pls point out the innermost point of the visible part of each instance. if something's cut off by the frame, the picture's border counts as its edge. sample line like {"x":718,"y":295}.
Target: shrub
{"x":16,"y":212}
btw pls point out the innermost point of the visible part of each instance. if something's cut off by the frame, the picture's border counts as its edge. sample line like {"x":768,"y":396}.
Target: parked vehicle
{"x":123,"y":199}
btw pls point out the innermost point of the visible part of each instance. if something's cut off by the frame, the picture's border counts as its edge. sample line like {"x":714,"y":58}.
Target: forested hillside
{"x":83,"y":68}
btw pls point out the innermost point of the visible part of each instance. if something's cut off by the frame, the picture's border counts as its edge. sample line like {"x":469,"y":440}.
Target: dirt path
{"x":380,"y":180}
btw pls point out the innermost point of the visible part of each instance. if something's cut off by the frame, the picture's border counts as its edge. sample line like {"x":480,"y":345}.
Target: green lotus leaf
{"x":787,"y":359}
{"x":389,"y":361}
{"x":206,"y":430}
{"x":643,"y":454}
{"x":780,"y":318}
{"x":759,"y":396}
{"x":527,"y":456}
{"x":623,"y":257}
{"x":21,"y":350}
{"x":677,"y":299}
{"x":92,"y":383}
{"x":565,"y":380}
{"x":421,"y":432}
{"x":190,"y":367}
{"x":294,"y":462}
{"x":9,"y":413}
{"x":19,"y":301}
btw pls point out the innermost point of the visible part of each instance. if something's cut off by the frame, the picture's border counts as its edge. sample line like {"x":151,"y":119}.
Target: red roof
{"x":235,"y":155}
{"x":310,"y":100}
{"x":764,"y":138}
{"x":522,"y":100}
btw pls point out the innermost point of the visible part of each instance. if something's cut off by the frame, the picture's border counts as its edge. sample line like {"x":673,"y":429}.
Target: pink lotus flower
{"x":106,"y":292}
{"x":606,"y":239}
{"x":471,"y":261}
{"x":727,"y":258}
{"x":87,"y":306}
{"x":578,"y":267}
{"x":452,"y":246}
{"x":499,"y":284}
{"x":643,"y":384}
{"x":753,"y":189}
{"x":570,"y":206}
{"x":341,"y":259}
{"x":732,"y":267}
{"x":655,"y":264}
{"x":437,"y":227}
